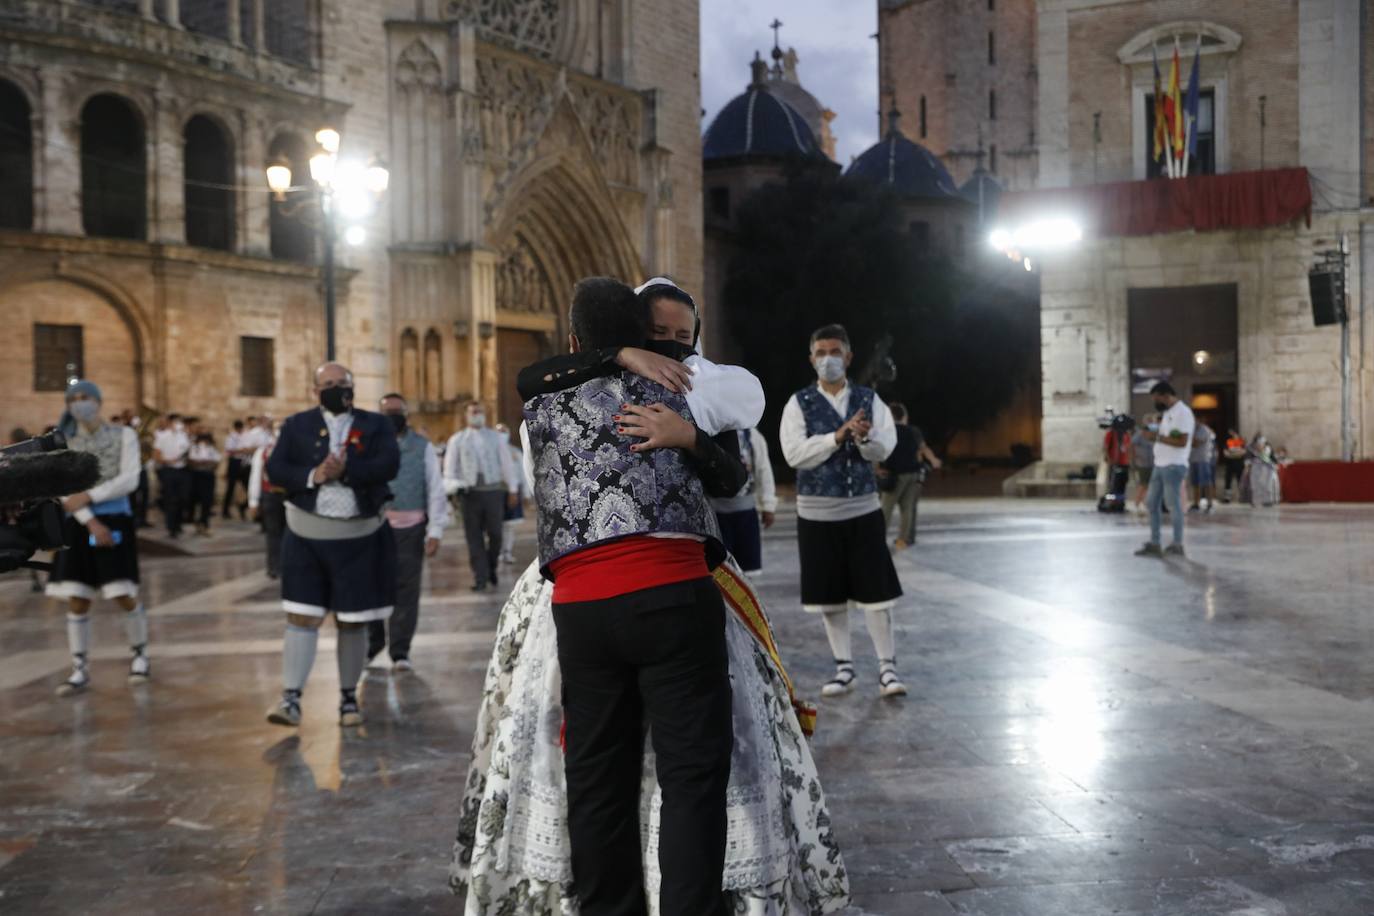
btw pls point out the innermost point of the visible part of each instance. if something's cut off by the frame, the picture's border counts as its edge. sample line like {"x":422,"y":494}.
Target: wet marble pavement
{"x":1088,"y":732}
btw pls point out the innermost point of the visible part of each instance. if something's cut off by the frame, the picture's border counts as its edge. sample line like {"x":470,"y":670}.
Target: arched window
{"x":209,"y":177}
{"x":293,"y":238}
{"x":114,"y":170}
{"x":434,"y":367}
{"x":16,"y":159}
{"x":208,"y":17}
{"x":410,"y":365}
{"x":290,"y":33}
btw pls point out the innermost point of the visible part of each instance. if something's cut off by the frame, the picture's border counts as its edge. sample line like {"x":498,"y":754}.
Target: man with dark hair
{"x":901,"y":476}
{"x":417,"y":516}
{"x":627,"y":536}
{"x":1171,"y":439}
{"x":171,"y":446}
{"x":832,"y":432}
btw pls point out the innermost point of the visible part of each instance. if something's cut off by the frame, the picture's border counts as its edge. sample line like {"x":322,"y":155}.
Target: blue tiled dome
{"x":911,"y":169}
{"x":758,"y":123}
{"x":983,"y":191}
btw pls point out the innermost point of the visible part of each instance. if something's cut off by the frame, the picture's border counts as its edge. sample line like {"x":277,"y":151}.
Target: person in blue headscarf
{"x":102,"y":553}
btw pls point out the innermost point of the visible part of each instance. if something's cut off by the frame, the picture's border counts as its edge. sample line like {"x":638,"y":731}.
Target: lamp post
{"x":342,"y":187}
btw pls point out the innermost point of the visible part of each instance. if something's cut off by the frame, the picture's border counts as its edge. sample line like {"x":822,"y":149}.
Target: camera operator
{"x":103,"y":554}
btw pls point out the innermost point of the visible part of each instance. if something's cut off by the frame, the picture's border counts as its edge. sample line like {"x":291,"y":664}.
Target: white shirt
{"x":436,"y":513}
{"x":203,"y":453}
{"x":479,"y":458}
{"x":255,"y":478}
{"x":722,"y":397}
{"x":233,"y":443}
{"x":804,"y":452}
{"x":1178,"y":418}
{"x":172,"y":445}
{"x":764,"y":496}
{"x":256,"y":438}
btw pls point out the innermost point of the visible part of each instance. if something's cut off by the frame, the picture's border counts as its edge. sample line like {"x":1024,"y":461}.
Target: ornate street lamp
{"x":342,"y":187}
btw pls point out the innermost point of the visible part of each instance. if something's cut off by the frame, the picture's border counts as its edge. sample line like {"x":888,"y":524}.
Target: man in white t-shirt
{"x":1172,"y":439}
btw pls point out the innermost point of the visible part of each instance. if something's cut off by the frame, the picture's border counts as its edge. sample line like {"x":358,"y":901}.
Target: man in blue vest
{"x":418,"y":515}
{"x":338,"y":555}
{"x":832,"y":432}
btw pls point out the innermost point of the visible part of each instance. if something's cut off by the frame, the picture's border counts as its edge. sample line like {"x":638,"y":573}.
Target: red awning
{"x":1242,"y":200}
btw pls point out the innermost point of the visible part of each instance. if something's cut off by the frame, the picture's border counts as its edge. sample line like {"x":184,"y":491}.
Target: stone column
{"x":172,"y":10}
{"x":145,"y":9}
{"x":259,"y":26}
{"x":167,"y":192}
{"x":254,"y":210}
{"x":57,"y":143}
{"x":232,"y":10}
{"x":474,"y":305}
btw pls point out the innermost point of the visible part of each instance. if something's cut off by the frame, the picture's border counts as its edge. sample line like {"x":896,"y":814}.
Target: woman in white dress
{"x":512,"y":856}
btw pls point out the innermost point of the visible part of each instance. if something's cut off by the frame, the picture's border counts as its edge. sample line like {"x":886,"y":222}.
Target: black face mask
{"x":337,"y":400}
{"x":398,"y":420}
{"x":673,"y":349}
{"x":1161,"y":406}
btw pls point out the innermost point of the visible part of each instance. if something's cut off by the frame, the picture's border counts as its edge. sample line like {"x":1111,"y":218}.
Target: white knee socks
{"x":879,"y":622}
{"x":136,"y":626}
{"x":79,"y":637}
{"x":352,"y":656}
{"x":298,"y":656}
{"x":837,"y":631}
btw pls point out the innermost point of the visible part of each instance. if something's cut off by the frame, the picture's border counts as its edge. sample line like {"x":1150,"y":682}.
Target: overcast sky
{"x":837,"y":61}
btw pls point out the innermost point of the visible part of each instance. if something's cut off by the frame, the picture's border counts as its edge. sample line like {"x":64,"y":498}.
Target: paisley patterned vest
{"x":590,"y":488}
{"x":845,"y":473}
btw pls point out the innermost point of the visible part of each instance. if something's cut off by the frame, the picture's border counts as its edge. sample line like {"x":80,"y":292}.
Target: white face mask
{"x":830,"y":368}
{"x":477,"y":420}
{"x":85,"y":411}
{"x":179,"y":426}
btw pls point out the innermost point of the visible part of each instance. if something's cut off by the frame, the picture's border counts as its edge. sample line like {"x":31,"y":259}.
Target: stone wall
{"x":1289,"y":375}
{"x":938,"y":49}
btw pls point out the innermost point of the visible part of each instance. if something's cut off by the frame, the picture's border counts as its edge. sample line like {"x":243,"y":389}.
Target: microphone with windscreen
{"x":33,"y":475}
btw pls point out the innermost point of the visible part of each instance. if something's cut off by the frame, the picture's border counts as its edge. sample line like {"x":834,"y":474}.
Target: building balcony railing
{"x":1201,"y":203}
{"x":261,"y":43}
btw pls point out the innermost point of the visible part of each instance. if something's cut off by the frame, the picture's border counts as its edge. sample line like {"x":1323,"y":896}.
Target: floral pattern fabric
{"x":511,"y":856}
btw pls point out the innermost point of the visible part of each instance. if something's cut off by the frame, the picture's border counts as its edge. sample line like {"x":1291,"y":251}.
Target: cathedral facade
{"x":529,"y":143}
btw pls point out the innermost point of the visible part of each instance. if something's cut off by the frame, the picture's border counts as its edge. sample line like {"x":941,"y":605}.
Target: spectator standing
{"x":1202,"y":467}
{"x":514,"y":514}
{"x":1233,"y":459}
{"x":478,"y":468}
{"x":203,"y":459}
{"x":171,"y":446}
{"x":743,"y":516}
{"x":1264,"y":473}
{"x":236,"y":470}
{"x":418,"y":515}
{"x":902,"y":475}
{"x":1117,"y":453}
{"x":1143,"y":458}
{"x":1172,"y":440}
{"x":267,"y":503}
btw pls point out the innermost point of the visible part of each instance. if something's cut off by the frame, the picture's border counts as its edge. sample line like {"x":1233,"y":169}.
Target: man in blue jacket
{"x":338,"y":555}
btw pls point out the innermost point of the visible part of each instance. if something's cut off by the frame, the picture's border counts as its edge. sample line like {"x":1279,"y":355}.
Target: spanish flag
{"x":1160,"y":131}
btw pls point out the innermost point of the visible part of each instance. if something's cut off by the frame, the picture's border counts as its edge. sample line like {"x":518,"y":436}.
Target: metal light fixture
{"x":279,"y":178}
{"x":328,"y":138}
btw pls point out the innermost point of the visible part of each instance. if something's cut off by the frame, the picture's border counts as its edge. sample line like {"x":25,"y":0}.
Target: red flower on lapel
{"x":355,"y":439}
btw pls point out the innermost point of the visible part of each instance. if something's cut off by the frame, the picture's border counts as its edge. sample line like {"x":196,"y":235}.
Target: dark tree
{"x":817,"y":248}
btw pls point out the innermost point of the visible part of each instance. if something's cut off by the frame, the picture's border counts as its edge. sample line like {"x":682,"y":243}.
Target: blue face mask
{"x":830,"y":368}
{"x":84,"y":411}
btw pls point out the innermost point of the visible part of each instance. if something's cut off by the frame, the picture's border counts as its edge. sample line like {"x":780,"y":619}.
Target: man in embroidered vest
{"x":418,"y":515}
{"x":832,"y":432}
{"x":338,"y":555}
{"x":627,"y":536}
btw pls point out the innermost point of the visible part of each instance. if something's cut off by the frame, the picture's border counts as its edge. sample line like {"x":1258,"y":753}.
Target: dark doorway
{"x":515,"y":350}
{"x":114,"y":173}
{"x":16,"y":159}
{"x":209,"y":180}
{"x":1187,"y":335}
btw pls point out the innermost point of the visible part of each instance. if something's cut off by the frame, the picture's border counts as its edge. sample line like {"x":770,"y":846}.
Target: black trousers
{"x":656,"y":655}
{"x":400,"y":626}
{"x":237,"y":473}
{"x":273,"y":509}
{"x":203,"y":496}
{"x":483,"y":513}
{"x":140,"y":499}
{"x":174,"y":491}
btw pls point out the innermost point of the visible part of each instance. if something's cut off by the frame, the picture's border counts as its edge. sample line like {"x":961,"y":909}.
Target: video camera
{"x":1110,"y":419}
{"x":33,"y":474}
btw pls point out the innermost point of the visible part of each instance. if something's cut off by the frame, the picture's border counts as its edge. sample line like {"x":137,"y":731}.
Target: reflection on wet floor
{"x":1087,"y":732}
